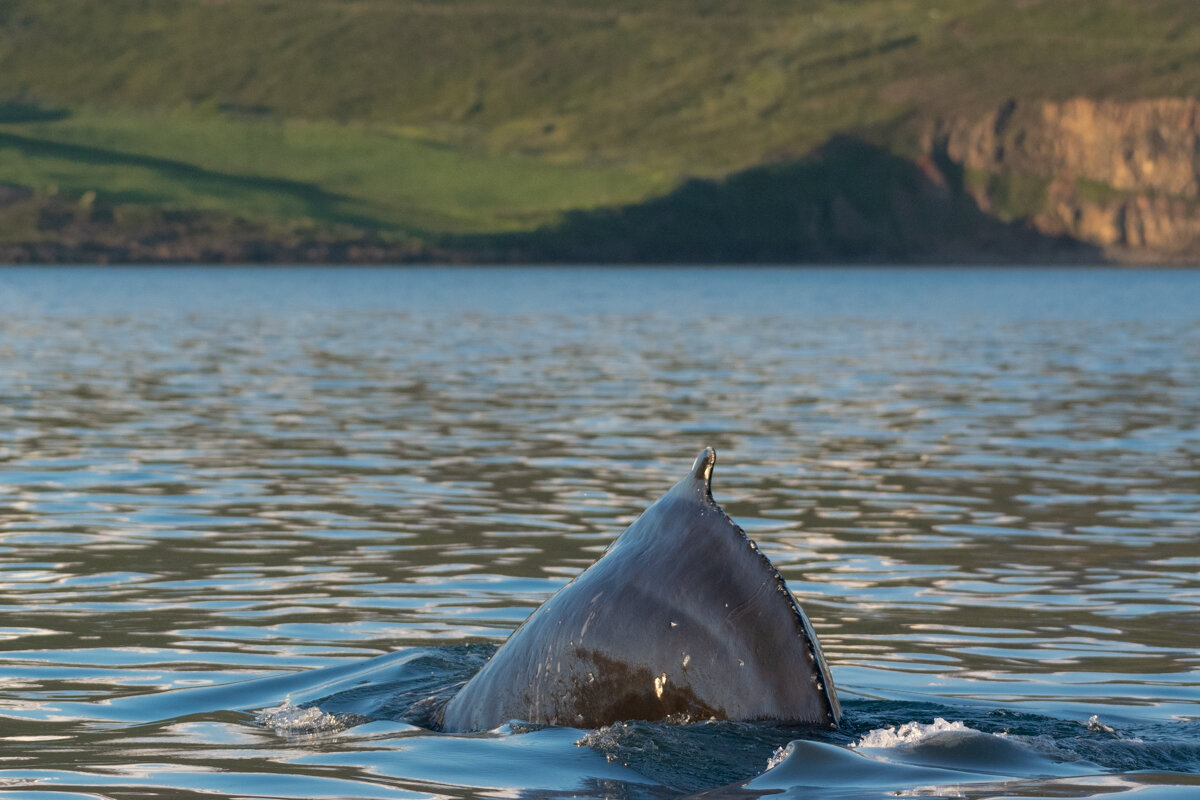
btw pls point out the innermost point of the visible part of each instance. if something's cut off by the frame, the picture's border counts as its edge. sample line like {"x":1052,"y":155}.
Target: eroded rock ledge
{"x":1121,"y":175}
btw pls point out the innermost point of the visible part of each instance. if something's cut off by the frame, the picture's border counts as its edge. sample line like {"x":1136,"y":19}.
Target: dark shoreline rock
{"x":80,"y":232}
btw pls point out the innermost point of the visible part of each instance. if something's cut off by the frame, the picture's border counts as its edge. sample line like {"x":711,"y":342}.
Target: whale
{"x":682,"y":618}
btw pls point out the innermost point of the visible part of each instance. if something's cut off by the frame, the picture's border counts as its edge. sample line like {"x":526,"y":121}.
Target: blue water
{"x":252,"y":520}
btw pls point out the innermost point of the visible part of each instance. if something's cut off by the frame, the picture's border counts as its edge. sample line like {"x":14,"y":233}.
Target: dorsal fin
{"x":682,"y":615}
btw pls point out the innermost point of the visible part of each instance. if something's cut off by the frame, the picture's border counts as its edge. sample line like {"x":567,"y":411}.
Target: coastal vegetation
{"x":484,"y":128}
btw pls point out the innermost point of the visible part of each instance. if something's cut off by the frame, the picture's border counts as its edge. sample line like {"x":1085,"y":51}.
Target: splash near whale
{"x":681,"y":615}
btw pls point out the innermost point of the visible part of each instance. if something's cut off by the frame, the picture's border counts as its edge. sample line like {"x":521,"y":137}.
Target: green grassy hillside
{"x":342,"y":173}
{"x":450,"y":117}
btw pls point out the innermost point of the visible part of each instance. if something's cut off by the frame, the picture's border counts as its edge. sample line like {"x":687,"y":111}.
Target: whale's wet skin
{"x":683,"y":615}
{"x":257,"y":528}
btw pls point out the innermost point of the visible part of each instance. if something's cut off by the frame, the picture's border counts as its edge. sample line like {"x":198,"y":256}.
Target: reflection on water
{"x":983,"y":486}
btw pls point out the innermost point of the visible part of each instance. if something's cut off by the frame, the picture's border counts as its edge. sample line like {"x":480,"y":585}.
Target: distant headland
{"x":757,"y":131}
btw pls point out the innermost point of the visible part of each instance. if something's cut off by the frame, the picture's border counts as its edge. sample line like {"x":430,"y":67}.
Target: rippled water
{"x":248,"y":518}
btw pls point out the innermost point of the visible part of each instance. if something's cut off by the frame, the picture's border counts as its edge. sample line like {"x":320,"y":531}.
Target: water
{"x":250,"y":519}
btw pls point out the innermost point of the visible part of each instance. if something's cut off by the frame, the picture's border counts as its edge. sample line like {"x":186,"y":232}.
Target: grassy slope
{"x":347,"y":174}
{"x":470,"y":115}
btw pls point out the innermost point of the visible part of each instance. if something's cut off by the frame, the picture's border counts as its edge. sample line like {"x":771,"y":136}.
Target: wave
{"x":883,"y":749}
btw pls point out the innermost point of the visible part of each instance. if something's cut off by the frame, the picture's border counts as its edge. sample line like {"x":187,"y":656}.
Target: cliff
{"x":1076,"y":181}
{"x":848,"y":201}
{"x":1124,"y":176}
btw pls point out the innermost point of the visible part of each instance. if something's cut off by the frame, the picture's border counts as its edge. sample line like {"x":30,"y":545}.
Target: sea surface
{"x":251,"y":518}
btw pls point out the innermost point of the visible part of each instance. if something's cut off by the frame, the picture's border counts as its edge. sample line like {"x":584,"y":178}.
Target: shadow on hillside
{"x":849,"y":201}
{"x":11,"y":112}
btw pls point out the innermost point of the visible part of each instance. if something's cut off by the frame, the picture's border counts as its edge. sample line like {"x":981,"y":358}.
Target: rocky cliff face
{"x":1121,"y":175}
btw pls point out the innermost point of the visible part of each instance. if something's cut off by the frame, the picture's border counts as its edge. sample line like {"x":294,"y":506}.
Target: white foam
{"x":910,"y":733}
{"x":1096,"y":726}
{"x":290,"y":720}
{"x":780,"y":755}
{"x":605,"y":739}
